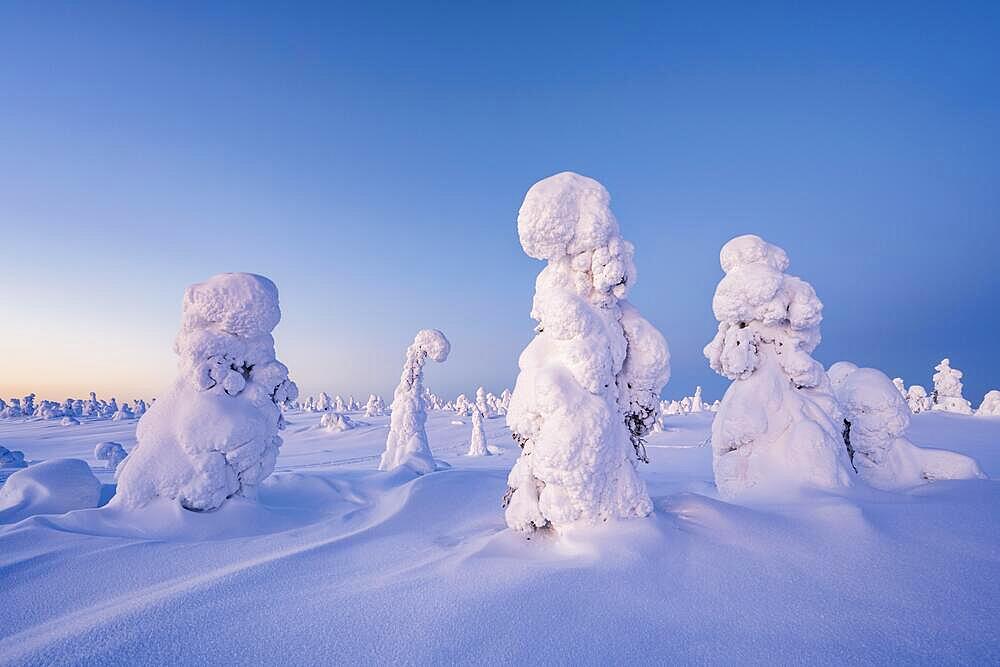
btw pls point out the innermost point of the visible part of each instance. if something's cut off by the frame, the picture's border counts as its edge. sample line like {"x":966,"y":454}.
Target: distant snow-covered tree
{"x":407,"y":442}
{"x":111,"y":452}
{"x":11,"y":459}
{"x":990,"y":406}
{"x":483,"y":405}
{"x":779,"y":427}
{"x":917,"y":399}
{"x":477,"y":442}
{"x":947,"y":395}
{"x":900,"y":387}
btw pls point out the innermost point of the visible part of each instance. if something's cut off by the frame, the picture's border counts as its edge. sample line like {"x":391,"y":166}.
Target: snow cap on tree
{"x":214,"y":435}
{"x":407,"y":441}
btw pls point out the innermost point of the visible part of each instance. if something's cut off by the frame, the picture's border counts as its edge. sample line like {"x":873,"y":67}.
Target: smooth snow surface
{"x":337,"y":563}
{"x":55,"y":486}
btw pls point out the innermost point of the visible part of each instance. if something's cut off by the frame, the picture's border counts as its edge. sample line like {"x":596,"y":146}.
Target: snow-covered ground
{"x":342,"y":564}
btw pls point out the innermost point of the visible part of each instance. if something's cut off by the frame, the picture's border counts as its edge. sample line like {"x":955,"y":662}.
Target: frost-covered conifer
{"x":214,"y":435}
{"x":109,"y":409}
{"x":372,"y":408}
{"x":483,"y":405}
{"x":948,"y":390}
{"x":462,"y":405}
{"x":878,"y":418}
{"x":407,"y":442}
{"x":140,"y":408}
{"x":477,"y":442}
{"x":324,"y":403}
{"x":124,"y":412}
{"x":779,"y":427}
{"x":917,"y":399}
{"x":112,"y":452}
{"x":586,"y":390}
{"x":339,"y":405}
{"x":334,"y":421}
{"x":990,"y":407}
{"x":900,"y":387}
{"x":28,"y":405}
{"x":504,"y":402}
{"x":697,"y":405}
{"x":684,"y":407}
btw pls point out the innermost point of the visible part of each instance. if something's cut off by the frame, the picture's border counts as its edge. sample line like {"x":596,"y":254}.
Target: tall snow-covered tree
{"x":588,"y":382}
{"x":778,"y":428}
{"x":947,"y":395}
{"x":407,"y":442}
{"x":214,"y":435}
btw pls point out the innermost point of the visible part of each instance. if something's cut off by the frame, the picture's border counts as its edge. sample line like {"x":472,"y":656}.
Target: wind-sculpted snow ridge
{"x":55,"y":486}
{"x":589,"y":383}
{"x":778,"y":428}
{"x":878,"y":418}
{"x":214,"y":435}
{"x":407,"y":441}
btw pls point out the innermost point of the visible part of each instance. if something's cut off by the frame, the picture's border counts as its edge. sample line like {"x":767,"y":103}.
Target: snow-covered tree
{"x":878,"y":418}
{"x":374,"y":407}
{"x":28,"y":405}
{"x":917,"y":399}
{"x":779,"y":427}
{"x":504,"y":402}
{"x":407,"y":442}
{"x":477,"y":442}
{"x":900,"y":387}
{"x":338,"y":404}
{"x":990,"y":407}
{"x":334,"y":421}
{"x":462,"y":405}
{"x":11,"y":458}
{"x":112,"y":452}
{"x":324,"y":403}
{"x":591,"y":371}
{"x":124,"y":412}
{"x":483,"y":405}
{"x":697,"y":405}
{"x":140,"y":408}
{"x":948,"y":390}
{"x":214,"y":435}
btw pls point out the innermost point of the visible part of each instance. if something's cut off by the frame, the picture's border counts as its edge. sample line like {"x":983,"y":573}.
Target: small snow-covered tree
{"x":323,"y":403}
{"x":12,"y":458}
{"x":336,"y":422}
{"x":779,"y":427}
{"x":504,"y":402}
{"x":407,"y":442}
{"x":917,"y":399}
{"x":990,"y":407}
{"x":900,"y":387}
{"x":338,"y":404}
{"x":214,"y":435}
{"x":28,"y":405}
{"x":592,"y":372}
{"x":463,"y":406}
{"x":375,"y":407}
{"x":697,"y":405}
{"x":483,"y":405}
{"x":477,"y":442}
{"x":947,"y":395}
{"x":878,"y":418}
{"x":124,"y":412}
{"x":111,"y":452}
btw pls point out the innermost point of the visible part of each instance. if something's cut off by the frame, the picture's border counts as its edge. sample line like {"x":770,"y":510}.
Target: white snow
{"x":879,"y":419}
{"x":778,"y":430}
{"x":568,"y":408}
{"x":112,"y":452}
{"x":948,"y":390}
{"x":990,"y":405}
{"x":214,"y":434}
{"x":55,"y":486}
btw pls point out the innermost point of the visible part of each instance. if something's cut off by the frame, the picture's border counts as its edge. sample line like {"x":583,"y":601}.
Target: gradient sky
{"x":371,"y":159}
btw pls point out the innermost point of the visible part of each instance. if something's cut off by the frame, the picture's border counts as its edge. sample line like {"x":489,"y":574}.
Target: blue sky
{"x":370,"y":159}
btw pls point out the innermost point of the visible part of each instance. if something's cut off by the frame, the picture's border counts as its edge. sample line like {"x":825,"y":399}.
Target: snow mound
{"x":55,"y":486}
{"x":778,"y":428}
{"x":879,"y":416}
{"x":214,"y":435}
